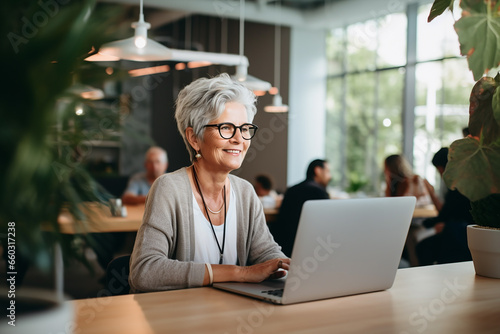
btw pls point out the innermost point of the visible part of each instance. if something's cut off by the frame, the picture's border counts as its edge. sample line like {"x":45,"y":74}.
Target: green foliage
{"x":482,"y":122}
{"x":473,"y":168}
{"x":356,"y":182}
{"x":474,"y":162}
{"x":478,"y":35}
{"x":487,"y":211}
{"x":438,"y":7}
{"x":477,"y":32}
{"x":40,"y":169}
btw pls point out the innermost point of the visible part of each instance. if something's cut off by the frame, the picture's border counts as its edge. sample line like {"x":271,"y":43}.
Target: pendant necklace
{"x":221,"y":249}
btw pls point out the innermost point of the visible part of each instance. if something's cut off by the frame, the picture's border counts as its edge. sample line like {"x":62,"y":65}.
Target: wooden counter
{"x":435,"y":299}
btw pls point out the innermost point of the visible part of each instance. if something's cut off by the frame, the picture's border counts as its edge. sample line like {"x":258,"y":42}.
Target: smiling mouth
{"x":233,"y":151}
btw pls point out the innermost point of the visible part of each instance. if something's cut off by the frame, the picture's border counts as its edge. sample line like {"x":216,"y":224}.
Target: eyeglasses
{"x":228,"y":130}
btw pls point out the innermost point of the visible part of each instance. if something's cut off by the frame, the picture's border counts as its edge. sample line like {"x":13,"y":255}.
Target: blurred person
{"x":313,"y":187}
{"x":449,"y":244}
{"x":202,"y":224}
{"x":105,"y":245}
{"x":401,"y":181}
{"x":264,"y":188}
{"x":156,"y":163}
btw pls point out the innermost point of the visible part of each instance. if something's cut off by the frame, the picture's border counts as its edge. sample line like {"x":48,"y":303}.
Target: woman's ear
{"x":192,"y":139}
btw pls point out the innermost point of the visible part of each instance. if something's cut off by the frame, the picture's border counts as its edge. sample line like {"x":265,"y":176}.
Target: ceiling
{"x":299,"y":4}
{"x":284,"y":12}
{"x":306,"y":14}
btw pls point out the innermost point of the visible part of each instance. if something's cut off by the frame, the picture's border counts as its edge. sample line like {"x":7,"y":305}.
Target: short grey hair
{"x":157,"y":150}
{"x":205,"y":99}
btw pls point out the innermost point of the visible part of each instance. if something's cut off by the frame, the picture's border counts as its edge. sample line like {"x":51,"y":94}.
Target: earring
{"x":197,"y":156}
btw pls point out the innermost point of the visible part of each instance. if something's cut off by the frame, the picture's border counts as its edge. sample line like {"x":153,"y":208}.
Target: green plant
{"x":474,"y":162}
{"x":356,"y":182}
{"x":43,"y":47}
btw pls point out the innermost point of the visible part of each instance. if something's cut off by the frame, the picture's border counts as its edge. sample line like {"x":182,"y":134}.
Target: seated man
{"x":314,"y":187}
{"x":156,"y":163}
{"x":449,"y":244}
{"x":267,"y":195}
{"x":106,"y":244}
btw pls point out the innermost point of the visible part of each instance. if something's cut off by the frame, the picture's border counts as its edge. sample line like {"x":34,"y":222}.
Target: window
{"x":365,"y":96}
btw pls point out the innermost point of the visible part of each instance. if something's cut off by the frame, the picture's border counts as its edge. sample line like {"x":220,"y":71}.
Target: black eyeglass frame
{"x":219,"y":125}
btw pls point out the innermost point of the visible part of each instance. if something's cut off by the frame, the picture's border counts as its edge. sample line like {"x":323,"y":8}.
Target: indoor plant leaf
{"x":438,"y":7}
{"x":477,"y":33}
{"x":496,"y":105}
{"x":41,"y":66}
{"x":483,"y":102}
{"x":473,"y":168}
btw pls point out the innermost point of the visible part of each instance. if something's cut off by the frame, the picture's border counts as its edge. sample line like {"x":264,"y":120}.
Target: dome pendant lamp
{"x":139,"y":47}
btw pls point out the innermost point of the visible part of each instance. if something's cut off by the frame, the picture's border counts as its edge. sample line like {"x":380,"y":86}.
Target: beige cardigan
{"x":164,"y":246}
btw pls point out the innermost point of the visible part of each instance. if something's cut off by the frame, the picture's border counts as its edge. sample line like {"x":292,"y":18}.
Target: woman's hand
{"x":269,"y":269}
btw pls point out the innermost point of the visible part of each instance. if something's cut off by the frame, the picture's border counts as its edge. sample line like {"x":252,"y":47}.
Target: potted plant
{"x":474,"y":161}
{"x":43,"y":47}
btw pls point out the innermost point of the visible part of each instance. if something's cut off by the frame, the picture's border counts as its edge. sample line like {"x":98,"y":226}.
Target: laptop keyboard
{"x":275,"y":292}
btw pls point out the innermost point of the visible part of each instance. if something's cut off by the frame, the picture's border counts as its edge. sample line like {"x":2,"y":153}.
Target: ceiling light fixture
{"x":241,"y":74}
{"x":85,"y":91}
{"x":139,"y":47}
{"x":142,"y":49}
{"x":277,"y":105}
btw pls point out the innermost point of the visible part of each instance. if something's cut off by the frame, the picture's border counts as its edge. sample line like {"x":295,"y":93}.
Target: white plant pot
{"x":484,"y":246}
{"x":46,"y":313}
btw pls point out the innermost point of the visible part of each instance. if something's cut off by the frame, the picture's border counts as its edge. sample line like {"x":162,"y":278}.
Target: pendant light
{"x":241,"y":74}
{"x":86,"y":92}
{"x":277,"y":105}
{"x":139,"y":47}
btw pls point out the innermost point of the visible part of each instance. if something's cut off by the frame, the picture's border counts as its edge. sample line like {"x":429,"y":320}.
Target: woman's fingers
{"x":282,"y":263}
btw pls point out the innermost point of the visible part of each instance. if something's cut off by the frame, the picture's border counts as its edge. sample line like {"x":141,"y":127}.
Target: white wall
{"x":307,"y":101}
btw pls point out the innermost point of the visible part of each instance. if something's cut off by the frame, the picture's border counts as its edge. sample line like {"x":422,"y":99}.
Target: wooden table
{"x":435,"y":299}
{"x":271,"y":214}
{"x":420,"y":212}
{"x":101,"y":220}
{"x":425,"y":211}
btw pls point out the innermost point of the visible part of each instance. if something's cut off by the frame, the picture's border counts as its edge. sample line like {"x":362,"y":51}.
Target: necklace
{"x":221,"y":206}
{"x":221,"y":249}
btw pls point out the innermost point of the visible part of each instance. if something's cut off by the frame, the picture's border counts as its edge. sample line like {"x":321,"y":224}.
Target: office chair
{"x":117,"y":276}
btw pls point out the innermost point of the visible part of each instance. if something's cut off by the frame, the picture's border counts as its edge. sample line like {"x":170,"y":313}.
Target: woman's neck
{"x":211,"y":182}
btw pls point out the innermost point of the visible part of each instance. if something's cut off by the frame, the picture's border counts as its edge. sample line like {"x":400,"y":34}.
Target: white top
{"x":206,"y":249}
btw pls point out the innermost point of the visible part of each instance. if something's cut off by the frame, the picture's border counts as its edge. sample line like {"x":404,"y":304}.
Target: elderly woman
{"x":202,"y":224}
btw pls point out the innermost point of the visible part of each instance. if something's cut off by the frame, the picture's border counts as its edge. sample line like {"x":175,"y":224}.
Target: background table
{"x":435,"y":299}
{"x":425,"y":211}
{"x":100,"y":220}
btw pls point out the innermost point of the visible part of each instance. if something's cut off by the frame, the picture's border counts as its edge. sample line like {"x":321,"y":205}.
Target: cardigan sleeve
{"x":161,"y":255}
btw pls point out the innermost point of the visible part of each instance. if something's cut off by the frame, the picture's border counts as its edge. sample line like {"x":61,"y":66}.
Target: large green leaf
{"x":479,"y":35}
{"x":496,"y":103}
{"x":438,"y":7}
{"x":473,"y":168}
{"x":483,"y":101}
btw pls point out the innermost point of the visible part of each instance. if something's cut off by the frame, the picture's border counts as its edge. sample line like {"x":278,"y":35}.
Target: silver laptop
{"x":342,"y":247}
